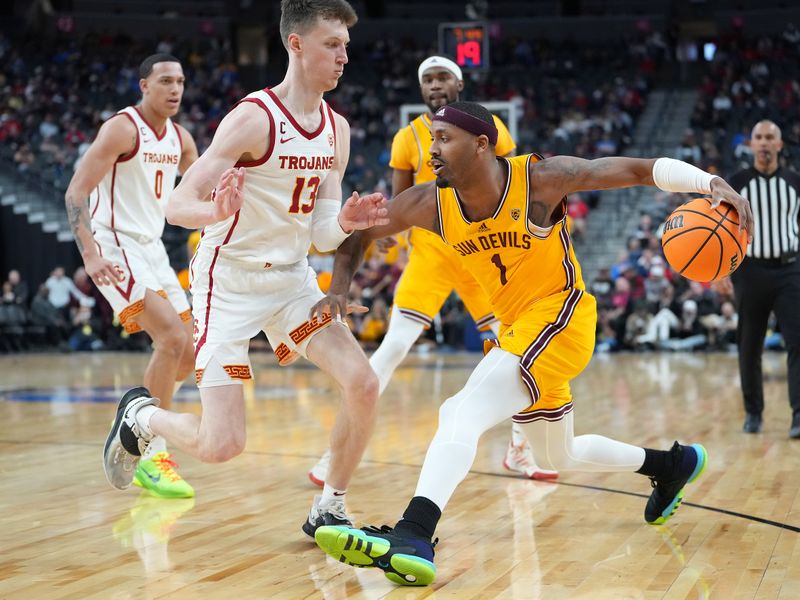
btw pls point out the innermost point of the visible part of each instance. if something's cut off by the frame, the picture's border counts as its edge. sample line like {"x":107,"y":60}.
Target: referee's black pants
{"x":761,"y":286}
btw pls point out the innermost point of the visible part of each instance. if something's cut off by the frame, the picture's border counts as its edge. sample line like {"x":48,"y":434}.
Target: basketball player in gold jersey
{"x":434,"y":270}
{"x":506,"y":220}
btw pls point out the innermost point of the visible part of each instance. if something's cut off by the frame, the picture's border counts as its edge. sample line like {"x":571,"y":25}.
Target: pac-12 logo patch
{"x":331,"y":140}
{"x":516,"y":213}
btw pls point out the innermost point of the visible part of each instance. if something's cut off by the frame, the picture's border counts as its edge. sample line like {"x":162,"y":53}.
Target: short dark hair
{"x":474,"y":109}
{"x":298,"y":16}
{"x":146,"y":68}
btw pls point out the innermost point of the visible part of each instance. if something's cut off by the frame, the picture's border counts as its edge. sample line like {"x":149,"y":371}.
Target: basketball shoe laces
{"x":164,"y":463}
{"x":337,"y":509}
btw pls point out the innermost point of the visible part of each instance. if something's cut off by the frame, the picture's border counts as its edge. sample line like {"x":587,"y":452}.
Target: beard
{"x":442,"y":182}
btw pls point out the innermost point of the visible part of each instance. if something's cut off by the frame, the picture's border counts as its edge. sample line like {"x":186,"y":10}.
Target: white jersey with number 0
{"x":273,"y":227}
{"x":131,"y":197}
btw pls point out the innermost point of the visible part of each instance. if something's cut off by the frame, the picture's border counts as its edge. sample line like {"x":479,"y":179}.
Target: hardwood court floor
{"x":65,"y":533}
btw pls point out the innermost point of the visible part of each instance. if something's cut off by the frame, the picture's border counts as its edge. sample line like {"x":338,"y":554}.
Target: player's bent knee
{"x":223,"y":450}
{"x":363,"y":388}
{"x":173,"y":341}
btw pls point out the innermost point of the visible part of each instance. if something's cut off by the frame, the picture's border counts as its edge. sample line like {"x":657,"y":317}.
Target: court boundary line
{"x":724,"y":511}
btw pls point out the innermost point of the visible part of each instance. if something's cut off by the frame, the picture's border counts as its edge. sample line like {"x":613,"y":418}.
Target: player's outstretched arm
{"x":416,"y":207}
{"x":243,"y":135}
{"x":554,"y":178}
{"x":116,"y":138}
{"x":331,"y":221}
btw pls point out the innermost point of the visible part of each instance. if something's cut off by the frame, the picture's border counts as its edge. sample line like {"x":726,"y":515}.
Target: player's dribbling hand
{"x":102,"y":271}
{"x":337,"y":306}
{"x":722,"y":192}
{"x":228,"y":196}
{"x":363,"y":212}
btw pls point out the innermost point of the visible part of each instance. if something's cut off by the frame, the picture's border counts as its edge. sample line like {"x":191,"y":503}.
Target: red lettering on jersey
{"x":160,"y":159}
{"x":306,"y":163}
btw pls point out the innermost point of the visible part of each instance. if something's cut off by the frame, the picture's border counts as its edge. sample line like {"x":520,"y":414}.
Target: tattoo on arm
{"x":78,"y":216}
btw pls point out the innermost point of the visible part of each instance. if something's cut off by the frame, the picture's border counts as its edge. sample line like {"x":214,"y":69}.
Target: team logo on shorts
{"x":331,"y":139}
{"x":516,"y":213}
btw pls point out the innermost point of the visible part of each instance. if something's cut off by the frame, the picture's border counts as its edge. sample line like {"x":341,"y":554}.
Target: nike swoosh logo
{"x":339,"y":493}
{"x":289,"y":139}
{"x":152,"y":478}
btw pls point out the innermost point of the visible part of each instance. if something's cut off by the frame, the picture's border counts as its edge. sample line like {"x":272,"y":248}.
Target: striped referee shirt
{"x":775,"y":202}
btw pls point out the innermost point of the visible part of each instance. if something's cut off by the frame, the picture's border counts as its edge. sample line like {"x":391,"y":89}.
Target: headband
{"x":442,"y":63}
{"x":467,"y":122}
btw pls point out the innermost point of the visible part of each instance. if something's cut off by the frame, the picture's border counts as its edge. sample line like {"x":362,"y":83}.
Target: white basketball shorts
{"x":233,"y":301}
{"x":146,"y":267}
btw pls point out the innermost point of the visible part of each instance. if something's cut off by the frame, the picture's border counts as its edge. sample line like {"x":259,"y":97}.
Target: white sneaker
{"x":319,"y":471}
{"x":126,"y":443}
{"x":520,"y":460}
{"x":333,"y":513}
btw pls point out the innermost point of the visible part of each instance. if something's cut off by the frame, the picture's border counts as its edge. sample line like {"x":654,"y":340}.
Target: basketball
{"x":704,"y":244}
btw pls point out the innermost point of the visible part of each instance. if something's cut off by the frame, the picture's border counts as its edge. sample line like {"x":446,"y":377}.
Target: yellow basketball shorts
{"x":554,"y":340}
{"x":432,"y":273}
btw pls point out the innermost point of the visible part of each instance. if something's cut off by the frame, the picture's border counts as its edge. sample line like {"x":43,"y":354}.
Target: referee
{"x":769,"y":279}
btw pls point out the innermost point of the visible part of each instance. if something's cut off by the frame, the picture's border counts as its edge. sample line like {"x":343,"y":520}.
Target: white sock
{"x":495,"y":327}
{"x":400,"y":336}
{"x":142,"y":418}
{"x":330,"y":494}
{"x":555,"y":446}
{"x":518,"y":437}
{"x":156,"y":445}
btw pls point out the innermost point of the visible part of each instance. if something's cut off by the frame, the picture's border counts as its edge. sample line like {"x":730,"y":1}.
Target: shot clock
{"x":466,"y":43}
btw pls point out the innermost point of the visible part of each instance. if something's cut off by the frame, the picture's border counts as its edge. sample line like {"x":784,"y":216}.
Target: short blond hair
{"x":298,"y":16}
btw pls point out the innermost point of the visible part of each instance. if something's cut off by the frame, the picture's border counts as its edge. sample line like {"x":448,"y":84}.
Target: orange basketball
{"x":702,"y":243}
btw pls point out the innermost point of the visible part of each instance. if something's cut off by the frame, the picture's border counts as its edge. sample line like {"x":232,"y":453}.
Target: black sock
{"x":657,"y":463}
{"x":420,"y":518}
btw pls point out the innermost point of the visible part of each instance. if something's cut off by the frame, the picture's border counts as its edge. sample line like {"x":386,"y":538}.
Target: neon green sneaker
{"x":157,"y":474}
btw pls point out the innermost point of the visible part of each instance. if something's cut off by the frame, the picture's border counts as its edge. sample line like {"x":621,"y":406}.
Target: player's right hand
{"x":228,"y":195}
{"x":337,"y":306}
{"x":102,"y":271}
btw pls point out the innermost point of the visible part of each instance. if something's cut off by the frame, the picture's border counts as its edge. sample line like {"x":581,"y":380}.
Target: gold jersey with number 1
{"x":433,"y":269}
{"x":534,"y":284}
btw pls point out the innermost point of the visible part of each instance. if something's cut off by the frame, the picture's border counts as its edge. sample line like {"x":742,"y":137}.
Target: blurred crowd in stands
{"x":642,"y":302}
{"x":574,"y":99}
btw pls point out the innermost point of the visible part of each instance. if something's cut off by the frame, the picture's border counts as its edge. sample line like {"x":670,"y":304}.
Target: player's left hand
{"x":363,"y":212}
{"x":335,"y":305}
{"x":722,"y":192}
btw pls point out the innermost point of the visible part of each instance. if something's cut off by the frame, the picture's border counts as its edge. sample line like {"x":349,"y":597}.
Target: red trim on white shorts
{"x":125,"y":293}
{"x":202,"y":339}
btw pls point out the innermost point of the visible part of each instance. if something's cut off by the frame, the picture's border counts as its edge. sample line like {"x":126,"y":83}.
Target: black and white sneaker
{"x":126,"y":442}
{"x":332,"y":513}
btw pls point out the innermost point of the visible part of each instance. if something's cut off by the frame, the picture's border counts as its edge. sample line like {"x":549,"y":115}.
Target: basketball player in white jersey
{"x":128,"y":173}
{"x":277,"y":161}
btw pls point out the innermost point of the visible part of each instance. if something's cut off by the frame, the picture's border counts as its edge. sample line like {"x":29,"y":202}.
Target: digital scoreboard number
{"x":467,"y":43}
